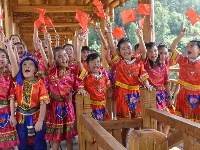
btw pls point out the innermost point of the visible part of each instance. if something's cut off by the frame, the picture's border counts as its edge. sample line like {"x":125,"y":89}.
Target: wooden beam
{"x":175,"y":139}
{"x":184,"y":125}
{"x":119,"y":124}
{"x":51,"y":33}
{"x":52,"y":9}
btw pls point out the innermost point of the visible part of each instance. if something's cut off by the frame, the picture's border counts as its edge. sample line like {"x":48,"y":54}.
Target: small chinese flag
{"x":41,"y":11}
{"x":118,"y":32}
{"x":2,"y":15}
{"x":102,"y":15}
{"x":44,"y":29}
{"x":37,"y":23}
{"x":83,"y":19}
{"x":48,"y":22}
{"x":144,"y":9}
{"x":141,"y":23}
{"x":128,"y":16}
{"x":99,"y":5}
{"x":193,"y":16}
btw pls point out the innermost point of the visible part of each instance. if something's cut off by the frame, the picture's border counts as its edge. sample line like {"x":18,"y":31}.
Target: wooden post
{"x":148,"y":99}
{"x":148,"y":139}
{"x":8,"y":18}
{"x":190,"y":143}
{"x":103,"y":53}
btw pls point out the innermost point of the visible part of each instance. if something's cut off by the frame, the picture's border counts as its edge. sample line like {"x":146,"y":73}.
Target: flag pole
{"x":152,"y":20}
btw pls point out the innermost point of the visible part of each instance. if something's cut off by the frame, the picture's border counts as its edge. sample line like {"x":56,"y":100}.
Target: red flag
{"x":37,"y":23}
{"x":193,"y":16}
{"x":48,"y":22}
{"x":83,"y":19}
{"x":144,"y":9}
{"x":99,"y":5}
{"x":44,"y":29}
{"x":128,"y":16}
{"x":141,"y":23}
{"x":118,"y":32}
{"x":41,"y":11}
{"x":102,"y":15}
{"x":2,"y":15}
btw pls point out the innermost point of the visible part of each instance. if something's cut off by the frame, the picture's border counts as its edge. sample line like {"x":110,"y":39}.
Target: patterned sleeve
{"x":166,"y":76}
{"x":44,"y":96}
{"x":83,"y":74}
{"x":143,"y":75}
{"x":11,"y":95}
{"x":178,"y":57}
{"x":116,"y":59}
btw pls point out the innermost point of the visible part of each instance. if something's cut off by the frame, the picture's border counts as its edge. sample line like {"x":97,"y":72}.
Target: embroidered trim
{"x":97,"y":76}
{"x":125,"y":86}
{"x":97,"y":103}
{"x":143,"y":77}
{"x":188,"y":85}
{"x":194,"y":60}
{"x":174,"y":55}
{"x":83,"y":74}
{"x":116,"y":59}
{"x":129,"y":62}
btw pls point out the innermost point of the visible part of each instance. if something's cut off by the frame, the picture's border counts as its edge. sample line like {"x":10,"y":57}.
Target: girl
{"x":187,"y":101}
{"x":32,"y":97}
{"x":8,"y":136}
{"x":95,"y":83}
{"x":70,"y":51}
{"x":158,"y":77}
{"x":61,"y":123}
{"x":129,"y":70}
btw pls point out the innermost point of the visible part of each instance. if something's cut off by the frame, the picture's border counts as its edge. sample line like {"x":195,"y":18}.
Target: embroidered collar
{"x":194,"y":60}
{"x":130,"y":62}
{"x":97,"y":76}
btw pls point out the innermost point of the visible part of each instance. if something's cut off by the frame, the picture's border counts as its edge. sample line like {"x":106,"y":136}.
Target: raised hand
{"x":182,"y":32}
{"x":7,"y":42}
{"x":139,"y":33}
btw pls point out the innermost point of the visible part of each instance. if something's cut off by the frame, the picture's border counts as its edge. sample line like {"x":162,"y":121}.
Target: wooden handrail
{"x":174,"y":69}
{"x":101,"y":136}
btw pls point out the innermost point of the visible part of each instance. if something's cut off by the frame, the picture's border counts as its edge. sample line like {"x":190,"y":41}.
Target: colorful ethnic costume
{"x":61,"y":123}
{"x":8,"y":134}
{"x":96,"y":86}
{"x":158,"y":77}
{"x":188,"y":99}
{"x":29,"y":96}
{"x":129,"y":75}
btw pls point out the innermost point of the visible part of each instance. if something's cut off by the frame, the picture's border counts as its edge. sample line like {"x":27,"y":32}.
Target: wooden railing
{"x":106,"y":135}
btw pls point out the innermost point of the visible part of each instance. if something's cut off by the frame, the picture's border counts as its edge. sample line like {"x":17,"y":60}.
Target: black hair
{"x":162,"y":45}
{"x":122,"y":40}
{"x":19,"y":44}
{"x":136,"y":46}
{"x":56,"y":49}
{"x":149,"y":45}
{"x":91,"y":57}
{"x":93,"y":51}
{"x":15,"y":35}
{"x":85,"y":48}
{"x":7,"y":57}
{"x":197,"y":42}
{"x":68,"y":45}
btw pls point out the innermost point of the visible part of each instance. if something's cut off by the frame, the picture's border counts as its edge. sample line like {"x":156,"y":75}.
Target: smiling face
{"x":152,"y":53}
{"x":20,"y":50}
{"x":125,"y":50}
{"x":94,"y":65}
{"x":192,"y":50}
{"x":61,"y":58}
{"x":69,"y":49}
{"x":14,"y":39}
{"x":84,"y":54}
{"x":29,"y":69}
{"x":3,"y":59}
{"x":163,"y":54}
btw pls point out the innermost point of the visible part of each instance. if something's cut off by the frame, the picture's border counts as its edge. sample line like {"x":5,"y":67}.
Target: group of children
{"x":43,"y":85}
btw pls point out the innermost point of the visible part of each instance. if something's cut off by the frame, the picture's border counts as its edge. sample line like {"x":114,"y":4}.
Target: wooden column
{"x":103,"y":52}
{"x":148,"y":19}
{"x":8,"y":18}
{"x":16,"y":28}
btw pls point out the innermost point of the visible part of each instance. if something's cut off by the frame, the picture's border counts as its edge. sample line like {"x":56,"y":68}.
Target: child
{"x":129,"y":70}
{"x":187,"y":101}
{"x":158,"y":77}
{"x":95,"y":83}
{"x":8,"y":133}
{"x":70,"y":52}
{"x":21,"y":50}
{"x":85,"y":51}
{"x":31,"y":97}
{"x":61,"y":124}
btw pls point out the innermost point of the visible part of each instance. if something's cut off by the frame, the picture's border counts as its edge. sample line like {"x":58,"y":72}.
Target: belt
{"x":125,"y":86}
{"x":27,"y":112}
{"x":4,"y":102}
{"x":97,"y":103}
{"x":58,"y":98}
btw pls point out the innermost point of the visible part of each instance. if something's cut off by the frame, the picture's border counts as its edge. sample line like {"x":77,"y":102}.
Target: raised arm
{"x":142,"y":45}
{"x":107,"y":57}
{"x":3,"y":38}
{"x":44,"y":57}
{"x":80,"y":40}
{"x":110,"y":40}
{"x":102,"y":39}
{"x":175,"y":42}
{"x":13,"y":60}
{"x":57,"y":39}
{"x":49,"y":49}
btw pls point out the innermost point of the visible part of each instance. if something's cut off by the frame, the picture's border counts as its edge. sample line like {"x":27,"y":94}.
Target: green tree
{"x":131,"y":34}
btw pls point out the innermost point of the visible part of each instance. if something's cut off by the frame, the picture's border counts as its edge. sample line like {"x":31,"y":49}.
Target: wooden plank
{"x":102,"y":137}
{"x":175,"y":139}
{"x":117,"y":135}
{"x":52,"y":9}
{"x":119,"y":124}
{"x":174,"y":69}
{"x":182,"y":124}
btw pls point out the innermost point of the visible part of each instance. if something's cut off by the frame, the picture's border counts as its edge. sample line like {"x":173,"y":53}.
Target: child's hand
{"x":13,"y":121}
{"x":47,"y":36}
{"x":39,"y":43}
{"x":151,"y":26}
{"x":57,"y":36}
{"x":7,"y":42}
{"x":109,"y":26}
{"x":98,"y":29}
{"x":38,"y":125}
{"x":182,"y":33}
{"x":139,"y":33}
{"x":169,"y":102}
{"x":82,"y":92}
